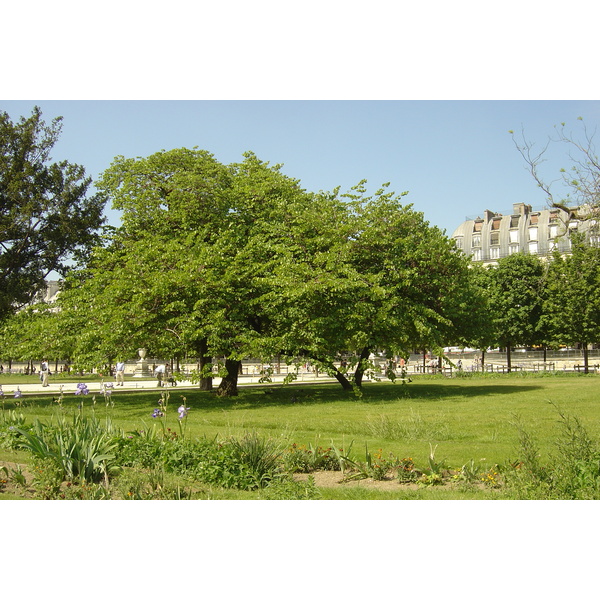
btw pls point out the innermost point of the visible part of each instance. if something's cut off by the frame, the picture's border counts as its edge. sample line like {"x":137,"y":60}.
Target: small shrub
{"x":302,"y":459}
{"x":47,"y":478}
{"x":288,"y":489}
{"x":406,"y":471}
{"x":261,"y":456}
{"x":153,"y":484}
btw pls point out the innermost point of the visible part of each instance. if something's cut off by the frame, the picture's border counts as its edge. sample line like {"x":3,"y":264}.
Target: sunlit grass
{"x":466,"y":418}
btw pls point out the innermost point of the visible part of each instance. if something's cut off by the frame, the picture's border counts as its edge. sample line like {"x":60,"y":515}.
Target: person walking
{"x":120,"y":373}
{"x":160,"y":373}
{"x":44,"y":372}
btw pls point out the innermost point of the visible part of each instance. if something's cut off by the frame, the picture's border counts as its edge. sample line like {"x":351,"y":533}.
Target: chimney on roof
{"x":521,"y":208}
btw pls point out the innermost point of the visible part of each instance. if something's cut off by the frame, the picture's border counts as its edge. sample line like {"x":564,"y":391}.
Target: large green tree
{"x":517,"y":292}
{"x":372,"y":275}
{"x":187,"y":270}
{"x":46,"y":215}
{"x":573,"y":299}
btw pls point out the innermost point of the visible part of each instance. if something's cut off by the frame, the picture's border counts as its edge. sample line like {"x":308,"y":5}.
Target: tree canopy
{"x":238,"y":260}
{"x":46,"y":217}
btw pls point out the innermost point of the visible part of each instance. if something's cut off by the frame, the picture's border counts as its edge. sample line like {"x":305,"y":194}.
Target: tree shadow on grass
{"x":297,"y":395}
{"x":133,"y":404}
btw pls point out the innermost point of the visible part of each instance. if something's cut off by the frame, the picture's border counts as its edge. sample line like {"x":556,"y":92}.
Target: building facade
{"x":494,"y":236}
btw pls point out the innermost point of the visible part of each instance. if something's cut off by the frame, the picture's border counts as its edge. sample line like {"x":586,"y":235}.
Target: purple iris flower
{"x":18,"y":393}
{"x":82,"y":389}
{"x":183,"y":411}
{"x":157,"y":413}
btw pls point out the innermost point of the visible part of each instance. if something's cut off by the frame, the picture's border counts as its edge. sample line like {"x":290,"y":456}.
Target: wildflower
{"x":82,"y":389}
{"x":1,"y":392}
{"x":157,"y":413}
{"x":18,"y":393}
{"x":183,"y":411}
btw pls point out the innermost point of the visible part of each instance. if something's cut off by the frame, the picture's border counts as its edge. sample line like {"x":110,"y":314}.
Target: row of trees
{"x":236,"y":261}
{"x":547,"y":303}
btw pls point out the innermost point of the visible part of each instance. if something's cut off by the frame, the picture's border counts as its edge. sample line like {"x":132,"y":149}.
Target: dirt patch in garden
{"x":9,"y":484}
{"x":332,"y":479}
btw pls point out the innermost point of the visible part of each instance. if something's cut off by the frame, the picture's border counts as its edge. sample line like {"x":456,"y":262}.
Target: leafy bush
{"x":573,"y":471}
{"x":141,"y":448}
{"x":243,"y":464}
{"x":10,"y":423}
{"x":302,"y":459}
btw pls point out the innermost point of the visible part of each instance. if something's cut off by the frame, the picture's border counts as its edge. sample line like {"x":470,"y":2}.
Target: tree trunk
{"x":483,"y":361}
{"x":360,"y":367}
{"x":586,"y":359}
{"x":206,"y":383}
{"x":508,"y":361}
{"x":346,"y":385}
{"x":341,"y":377}
{"x":228,"y":385}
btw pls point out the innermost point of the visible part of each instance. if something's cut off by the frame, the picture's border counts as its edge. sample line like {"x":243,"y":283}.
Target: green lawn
{"x":466,"y":418}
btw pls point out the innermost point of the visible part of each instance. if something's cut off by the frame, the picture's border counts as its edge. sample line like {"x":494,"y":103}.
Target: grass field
{"x":463,"y":419}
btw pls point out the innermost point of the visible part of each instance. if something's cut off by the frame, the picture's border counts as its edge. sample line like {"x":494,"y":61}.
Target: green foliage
{"x":82,"y":450}
{"x":286,"y":488}
{"x":299,"y":458}
{"x":375,"y":466}
{"x":572,"y":299}
{"x":45,"y":216}
{"x":516,"y":288}
{"x":261,"y":456}
{"x":406,"y":470}
{"x":572,"y":471}
{"x":152,"y":484}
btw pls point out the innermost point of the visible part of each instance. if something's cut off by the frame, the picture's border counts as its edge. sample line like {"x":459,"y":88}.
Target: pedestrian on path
{"x":120,"y":373}
{"x":44,"y":372}
{"x":160,"y":373}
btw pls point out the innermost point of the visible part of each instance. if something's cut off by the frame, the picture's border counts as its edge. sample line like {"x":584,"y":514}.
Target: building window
{"x":552,"y":231}
{"x":495,"y":253}
{"x":533,"y":247}
{"x":552,"y":245}
{"x":534,"y":219}
{"x":533,"y":234}
{"x":477,"y":225}
{"x":476,"y":241}
{"x":513,"y":248}
{"x":495,"y":238}
{"x":514,"y":221}
{"x":477,"y":254}
{"x":459,"y":242}
{"x":514,"y":236}
{"x":595,"y":240}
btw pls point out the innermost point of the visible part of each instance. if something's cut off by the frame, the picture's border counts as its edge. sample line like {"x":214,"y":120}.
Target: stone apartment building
{"x":492,"y":237}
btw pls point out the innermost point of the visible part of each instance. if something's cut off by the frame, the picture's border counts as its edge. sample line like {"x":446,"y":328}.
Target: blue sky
{"x":455,"y":158}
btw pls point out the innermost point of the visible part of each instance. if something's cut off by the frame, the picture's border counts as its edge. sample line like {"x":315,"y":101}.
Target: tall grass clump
{"x":261,"y":456}
{"x":571,"y":472}
{"x":81,"y":450}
